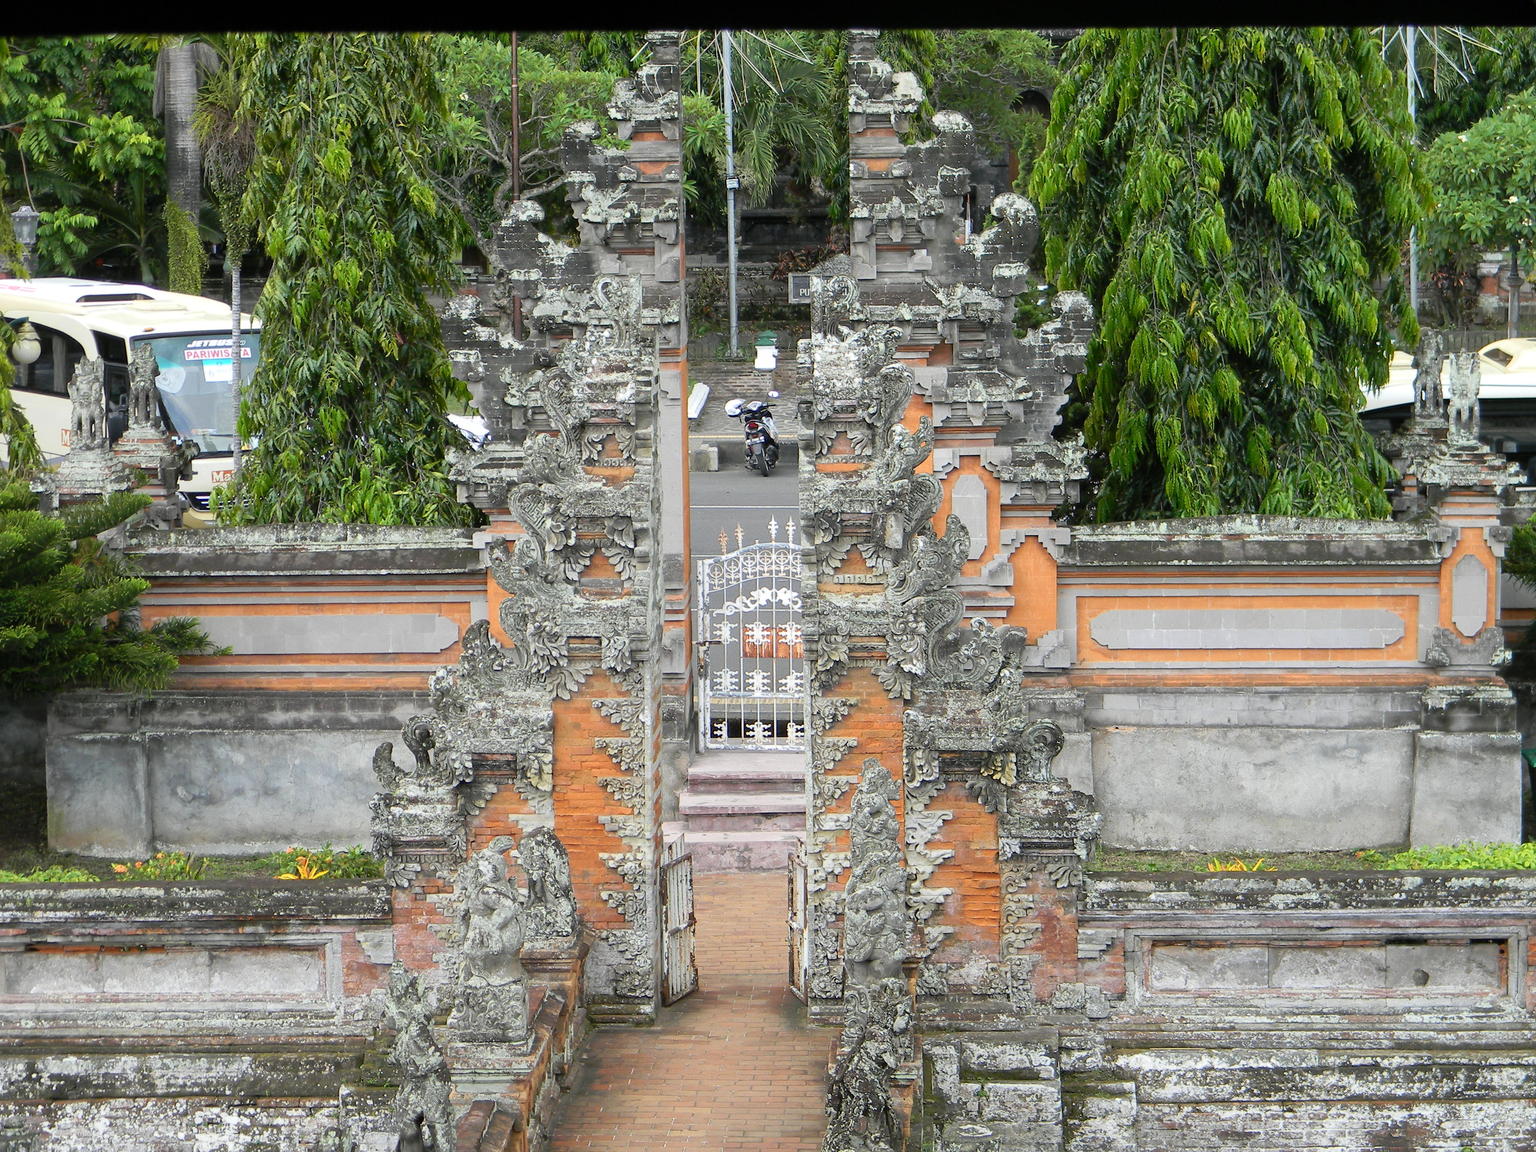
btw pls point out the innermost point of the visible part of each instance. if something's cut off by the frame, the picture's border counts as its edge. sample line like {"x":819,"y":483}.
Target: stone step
{"x":714,"y":780}
{"x":692,"y":804}
{"x":761,"y":851}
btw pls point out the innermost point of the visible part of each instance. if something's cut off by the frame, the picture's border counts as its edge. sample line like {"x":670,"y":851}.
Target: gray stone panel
{"x":1252,"y":790}
{"x":374,"y":632}
{"x":1229,"y":628}
{"x":215,"y":773}
{"x":1347,"y":969}
{"x":1473,"y":967}
{"x":187,"y":975}
{"x":1466,"y":786}
{"x":1355,"y":707}
{"x":1191,"y":968}
{"x":1469,"y":595}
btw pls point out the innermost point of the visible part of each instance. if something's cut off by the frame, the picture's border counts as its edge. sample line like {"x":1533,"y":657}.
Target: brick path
{"x":731,"y":1068}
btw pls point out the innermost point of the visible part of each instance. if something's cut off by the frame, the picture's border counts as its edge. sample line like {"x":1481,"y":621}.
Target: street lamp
{"x":26,"y":347}
{"x":24,"y":227}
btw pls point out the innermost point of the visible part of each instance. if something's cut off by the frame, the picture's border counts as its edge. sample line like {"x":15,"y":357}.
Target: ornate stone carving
{"x":876,"y":1040}
{"x":551,"y":909}
{"x":491,"y":998}
{"x":1428,"y":400}
{"x":876,"y":923}
{"x":1465,"y":377}
{"x":422,"y":1102}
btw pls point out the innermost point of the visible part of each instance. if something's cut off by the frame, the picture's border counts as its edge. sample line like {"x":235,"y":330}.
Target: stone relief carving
{"x":1428,"y":400}
{"x":876,"y":923}
{"x":421,"y":1106}
{"x":876,"y":1041}
{"x":551,"y":908}
{"x":491,"y":997}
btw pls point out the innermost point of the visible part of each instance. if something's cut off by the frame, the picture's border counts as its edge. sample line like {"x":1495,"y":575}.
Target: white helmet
{"x":733,"y":408}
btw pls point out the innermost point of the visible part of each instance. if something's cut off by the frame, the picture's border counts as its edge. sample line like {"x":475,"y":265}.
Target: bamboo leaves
{"x":1228,"y":197}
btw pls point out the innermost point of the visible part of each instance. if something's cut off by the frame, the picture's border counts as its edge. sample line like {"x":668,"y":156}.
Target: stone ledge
{"x":192,"y":902}
{"x":307,"y":549}
{"x":1470,"y":892}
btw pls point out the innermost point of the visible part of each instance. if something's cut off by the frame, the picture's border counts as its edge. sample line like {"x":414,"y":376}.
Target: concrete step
{"x":691,"y":805}
{"x":760,"y":851}
{"x":713,"y":779}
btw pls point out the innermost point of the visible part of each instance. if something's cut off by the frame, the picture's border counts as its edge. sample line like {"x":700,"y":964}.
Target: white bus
{"x":95,"y":319}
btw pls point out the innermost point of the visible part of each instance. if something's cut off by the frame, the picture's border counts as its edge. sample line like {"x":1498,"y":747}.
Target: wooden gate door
{"x":679,"y":971}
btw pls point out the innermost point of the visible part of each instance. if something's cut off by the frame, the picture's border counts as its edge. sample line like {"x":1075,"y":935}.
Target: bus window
{"x":114,"y":370}
{"x":50,"y":372}
{"x":197,"y":385}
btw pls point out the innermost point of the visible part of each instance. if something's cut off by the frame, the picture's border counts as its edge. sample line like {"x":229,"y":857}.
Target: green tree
{"x":983,"y":73}
{"x":1229,"y":199}
{"x":88,"y":154}
{"x":349,"y":402}
{"x":67,"y":616}
{"x":1485,"y":187}
{"x":476,"y":163}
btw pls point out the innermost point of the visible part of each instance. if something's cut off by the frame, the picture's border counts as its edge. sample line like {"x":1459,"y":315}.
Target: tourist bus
{"x":99,"y":320}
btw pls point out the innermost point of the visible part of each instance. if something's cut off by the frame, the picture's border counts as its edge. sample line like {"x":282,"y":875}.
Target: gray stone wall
{"x":221,"y":773}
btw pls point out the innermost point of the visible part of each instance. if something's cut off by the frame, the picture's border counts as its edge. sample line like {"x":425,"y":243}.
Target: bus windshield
{"x":196,"y":383}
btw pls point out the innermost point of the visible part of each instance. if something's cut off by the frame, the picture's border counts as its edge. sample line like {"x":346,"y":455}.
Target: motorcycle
{"x":759,"y":430}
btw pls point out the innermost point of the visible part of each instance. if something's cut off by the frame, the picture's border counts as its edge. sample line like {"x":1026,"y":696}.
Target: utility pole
{"x":731,"y":184}
{"x":517,"y":176}
{"x":1410,"y":34}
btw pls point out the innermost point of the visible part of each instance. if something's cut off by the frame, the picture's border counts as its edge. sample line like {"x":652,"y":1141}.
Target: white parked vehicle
{"x":100,"y":320}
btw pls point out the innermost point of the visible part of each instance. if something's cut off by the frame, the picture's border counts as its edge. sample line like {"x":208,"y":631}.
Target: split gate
{"x":752,"y":682}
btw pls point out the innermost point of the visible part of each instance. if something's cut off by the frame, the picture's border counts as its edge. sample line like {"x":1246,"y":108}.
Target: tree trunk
{"x":176,"y":87}
{"x":1514,"y":292}
{"x":234,"y":354}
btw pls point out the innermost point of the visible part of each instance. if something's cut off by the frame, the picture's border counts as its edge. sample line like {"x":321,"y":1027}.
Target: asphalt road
{"x":733,"y":496}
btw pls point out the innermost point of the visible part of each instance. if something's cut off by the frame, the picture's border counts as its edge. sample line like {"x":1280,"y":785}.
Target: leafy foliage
{"x":163,"y":866}
{"x":476,"y":161}
{"x":1228,"y":199}
{"x":186,"y":257}
{"x":1485,"y":181}
{"x":350,"y":398}
{"x":982,"y":74}
{"x":53,"y":874}
{"x":1466,"y":74}
{"x":1500,"y":856}
{"x":88,"y":153}
{"x":354,"y":863}
{"x":1238,"y":864}
{"x":67,"y":607}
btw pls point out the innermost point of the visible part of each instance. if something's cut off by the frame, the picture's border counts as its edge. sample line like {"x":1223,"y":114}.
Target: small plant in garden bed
{"x":1128,"y":860}
{"x":163,"y":866}
{"x":53,"y":874}
{"x":313,"y":863}
{"x":1493,"y":856}
{"x":1237,"y":864}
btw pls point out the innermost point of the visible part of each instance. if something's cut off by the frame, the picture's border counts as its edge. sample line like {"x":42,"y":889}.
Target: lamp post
{"x":24,"y":227}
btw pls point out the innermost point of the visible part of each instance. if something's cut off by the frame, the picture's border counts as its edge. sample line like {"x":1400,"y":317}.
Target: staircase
{"x":743,"y":811}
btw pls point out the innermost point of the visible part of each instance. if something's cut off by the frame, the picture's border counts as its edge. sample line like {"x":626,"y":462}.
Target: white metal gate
{"x":680,"y":972}
{"x":752,"y":685}
{"x":799,"y":899}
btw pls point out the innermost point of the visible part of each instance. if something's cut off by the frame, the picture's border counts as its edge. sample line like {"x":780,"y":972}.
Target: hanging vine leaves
{"x":349,"y":403}
{"x":1231,"y":199}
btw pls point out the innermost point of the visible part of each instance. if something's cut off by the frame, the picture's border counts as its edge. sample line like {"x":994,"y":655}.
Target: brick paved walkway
{"x":731,"y":1068}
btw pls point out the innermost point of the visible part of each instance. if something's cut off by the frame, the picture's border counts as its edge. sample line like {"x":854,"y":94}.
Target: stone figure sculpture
{"x":876,"y":1040}
{"x":87,"y":407}
{"x":551,"y":908}
{"x":492,"y":1000}
{"x":1428,"y":401}
{"x":421,"y":1106}
{"x":876,"y":923}
{"x":143,"y":395}
{"x":1465,"y":379}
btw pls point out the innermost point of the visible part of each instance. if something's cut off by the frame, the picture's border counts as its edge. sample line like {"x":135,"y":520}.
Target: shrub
{"x":311,"y":863}
{"x":1496,"y":856}
{"x":162,"y":866}
{"x":53,"y":874}
{"x":1216,"y":864}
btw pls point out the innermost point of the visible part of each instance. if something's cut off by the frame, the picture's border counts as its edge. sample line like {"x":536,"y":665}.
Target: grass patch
{"x":1125,"y":860}
{"x":26,"y":858}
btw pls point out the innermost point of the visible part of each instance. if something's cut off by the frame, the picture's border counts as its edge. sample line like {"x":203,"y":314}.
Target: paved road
{"x":721,"y":500}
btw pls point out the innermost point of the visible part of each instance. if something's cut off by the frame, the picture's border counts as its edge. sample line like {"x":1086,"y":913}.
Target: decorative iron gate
{"x":679,"y":972}
{"x":752,"y":684}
